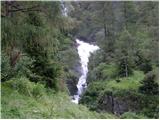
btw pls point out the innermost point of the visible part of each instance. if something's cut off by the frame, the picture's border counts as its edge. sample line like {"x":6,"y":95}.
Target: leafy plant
{"x":149,"y":86}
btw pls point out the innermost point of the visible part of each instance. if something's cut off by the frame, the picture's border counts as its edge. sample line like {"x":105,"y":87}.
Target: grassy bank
{"x":34,"y":101}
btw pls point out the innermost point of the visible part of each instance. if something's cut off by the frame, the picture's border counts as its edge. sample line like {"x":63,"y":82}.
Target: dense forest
{"x":40,"y":64}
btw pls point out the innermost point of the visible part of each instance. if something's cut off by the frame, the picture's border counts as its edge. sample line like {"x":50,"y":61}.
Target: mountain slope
{"x":34,"y":101}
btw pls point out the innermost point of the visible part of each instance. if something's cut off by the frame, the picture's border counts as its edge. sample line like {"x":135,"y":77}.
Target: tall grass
{"x":24,"y":99}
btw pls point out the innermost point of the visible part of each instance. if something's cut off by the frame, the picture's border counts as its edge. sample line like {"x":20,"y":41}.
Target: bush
{"x":102,"y":72}
{"x":149,"y":86}
{"x":143,"y":63}
{"x":24,"y":86}
{"x":38,"y":90}
{"x":152,"y":109}
{"x":51,"y":105}
{"x":109,"y":72}
{"x":145,"y":66}
{"x":34,"y":19}
{"x":22,"y":67}
{"x":6,"y":70}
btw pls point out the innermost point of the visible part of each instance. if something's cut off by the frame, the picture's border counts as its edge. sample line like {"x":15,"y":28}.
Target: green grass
{"x":24,"y":99}
{"x":129,"y":83}
{"x":132,"y":115}
{"x":22,"y":103}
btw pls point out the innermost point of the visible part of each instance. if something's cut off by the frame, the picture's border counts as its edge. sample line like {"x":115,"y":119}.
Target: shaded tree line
{"x":33,"y":35}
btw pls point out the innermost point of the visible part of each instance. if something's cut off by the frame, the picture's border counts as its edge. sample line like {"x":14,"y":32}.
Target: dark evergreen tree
{"x":124,"y":65}
{"x":143,"y":63}
{"x":149,"y":86}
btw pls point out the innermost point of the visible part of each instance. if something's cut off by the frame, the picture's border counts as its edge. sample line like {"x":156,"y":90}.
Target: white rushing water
{"x":64,"y":9}
{"x":84,"y":51}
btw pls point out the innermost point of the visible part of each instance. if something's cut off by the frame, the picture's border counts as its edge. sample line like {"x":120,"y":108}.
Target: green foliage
{"x":23,"y":65}
{"x":126,"y":88}
{"x":149,"y":86}
{"x":40,"y":104}
{"x":152,"y":110}
{"x":21,"y":68}
{"x":124,"y":54}
{"x":103,"y":72}
{"x":128,"y":38}
{"x":10,"y":38}
{"x":92,"y":94}
{"x":37,"y":34}
{"x":71,"y":57}
{"x":149,"y":105}
{"x":34,"y":19}
{"x":38,"y":90}
{"x":6,"y":70}
{"x":25,"y":87}
{"x":143,"y":63}
{"x":110,"y":71}
{"x":132,"y":115}
{"x":45,"y":71}
{"x":96,"y":58}
{"x":129,"y":83}
{"x":124,"y":68}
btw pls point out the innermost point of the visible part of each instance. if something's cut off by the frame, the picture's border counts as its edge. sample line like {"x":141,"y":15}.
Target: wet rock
{"x":118,"y":105}
{"x":106,"y":104}
{"x":72,"y":87}
{"x":83,"y":85}
{"x":72,"y":81}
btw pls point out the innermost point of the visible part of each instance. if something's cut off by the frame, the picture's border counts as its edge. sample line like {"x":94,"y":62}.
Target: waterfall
{"x":84,"y":51}
{"x":64,"y":9}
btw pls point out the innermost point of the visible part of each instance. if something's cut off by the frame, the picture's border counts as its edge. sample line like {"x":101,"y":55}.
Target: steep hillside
{"x":24,"y":99}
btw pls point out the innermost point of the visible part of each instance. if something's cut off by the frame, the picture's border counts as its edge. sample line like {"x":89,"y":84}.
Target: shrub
{"x":152,"y":110}
{"x":38,"y":90}
{"x":24,"y":86}
{"x":145,"y":66}
{"x":21,"y":67}
{"x":143,"y":63}
{"x":34,"y":19}
{"x":6,"y":70}
{"x":149,"y":86}
{"x":102,"y":72}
